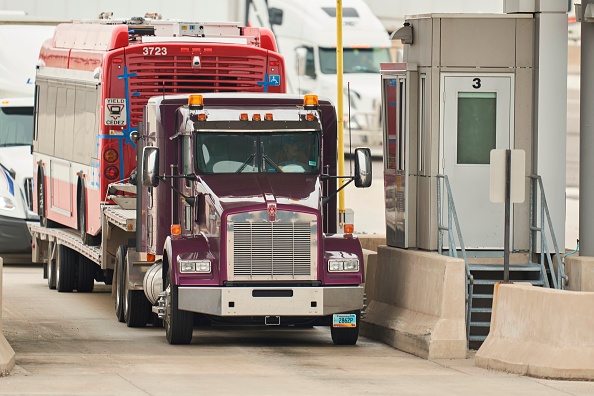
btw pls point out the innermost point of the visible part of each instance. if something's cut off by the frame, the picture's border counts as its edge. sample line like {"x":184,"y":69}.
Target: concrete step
{"x":481,"y":310}
{"x":499,"y":267}
{"x":482,"y":296}
{"x":535,"y":282}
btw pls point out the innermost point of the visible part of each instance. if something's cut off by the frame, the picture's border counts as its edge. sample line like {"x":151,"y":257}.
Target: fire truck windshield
{"x":282,"y":152}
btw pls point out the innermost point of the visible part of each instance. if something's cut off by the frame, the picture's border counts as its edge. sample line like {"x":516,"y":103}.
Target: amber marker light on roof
{"x":175,"y":229}
{"x":349,"y":228}
{"x":268,"y":117}
{"x":195,"y":102}
{"x":310,"y":101}
{"x":256,"y":117}
{"x":202,"y":117}
{"x":310,"y":117}
{"x":243,"y":117}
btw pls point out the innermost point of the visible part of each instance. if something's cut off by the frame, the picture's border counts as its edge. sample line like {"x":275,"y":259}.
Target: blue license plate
{"x":344,"y":320}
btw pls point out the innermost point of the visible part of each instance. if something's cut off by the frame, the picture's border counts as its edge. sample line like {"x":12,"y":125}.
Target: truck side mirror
{"x":301,"y":60}
{"x":275,"y":16}
{"x":150,"y":166}
{"x":363,"y":167}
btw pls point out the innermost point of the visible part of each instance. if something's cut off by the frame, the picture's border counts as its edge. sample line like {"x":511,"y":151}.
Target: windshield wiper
{"x":242,"y":167}
{"x":271,"y":162}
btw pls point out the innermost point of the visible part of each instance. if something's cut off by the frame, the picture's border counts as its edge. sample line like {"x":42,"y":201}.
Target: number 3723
{"x":154,"y":51}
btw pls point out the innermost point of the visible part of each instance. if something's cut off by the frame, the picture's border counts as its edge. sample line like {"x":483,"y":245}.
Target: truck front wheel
{"x":179,"y":324}
{"x":346,"y":335}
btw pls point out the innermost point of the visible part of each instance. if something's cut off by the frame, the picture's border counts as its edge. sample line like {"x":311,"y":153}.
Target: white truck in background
{"x":306,"y":35}
{"x":21,"y":37}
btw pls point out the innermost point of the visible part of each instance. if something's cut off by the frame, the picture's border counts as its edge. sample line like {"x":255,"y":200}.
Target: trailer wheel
{"x":65,"y":269}
{"x":346,"y":335}
{"x":119,"y":282}
{"x":51,"y":267}
{"x":85,"y":281}
{"x":179,"y":324}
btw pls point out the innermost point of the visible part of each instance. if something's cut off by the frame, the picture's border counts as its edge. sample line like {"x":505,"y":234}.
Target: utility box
{"x":472,"y":83}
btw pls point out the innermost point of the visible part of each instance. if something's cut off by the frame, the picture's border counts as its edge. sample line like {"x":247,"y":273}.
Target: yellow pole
{"x":340,"y":110}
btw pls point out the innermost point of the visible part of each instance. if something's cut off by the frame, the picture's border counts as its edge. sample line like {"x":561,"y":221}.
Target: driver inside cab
{"x":292,"y":152}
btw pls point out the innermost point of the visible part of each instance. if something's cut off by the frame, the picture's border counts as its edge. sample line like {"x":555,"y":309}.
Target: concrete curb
{"x":6,"y":351}
{"x":417,"y":305}
{"x":538,"y":332}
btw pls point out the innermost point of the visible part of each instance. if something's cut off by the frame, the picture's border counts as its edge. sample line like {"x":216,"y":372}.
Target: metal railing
{"x":558,"y":276}
{"x":452,"y":219}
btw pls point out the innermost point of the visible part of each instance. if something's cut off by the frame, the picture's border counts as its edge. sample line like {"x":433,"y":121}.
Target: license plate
{"x":344,"y":320}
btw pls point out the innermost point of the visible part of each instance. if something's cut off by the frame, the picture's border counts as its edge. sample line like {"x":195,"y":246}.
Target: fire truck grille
{"x":165,"y":75}
{"x":277,"y":251}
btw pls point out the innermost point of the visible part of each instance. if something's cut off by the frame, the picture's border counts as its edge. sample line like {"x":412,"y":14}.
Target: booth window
{"x":477,"y":127}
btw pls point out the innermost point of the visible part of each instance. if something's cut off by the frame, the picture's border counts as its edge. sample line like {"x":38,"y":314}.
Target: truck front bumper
{"x":261,"y":301}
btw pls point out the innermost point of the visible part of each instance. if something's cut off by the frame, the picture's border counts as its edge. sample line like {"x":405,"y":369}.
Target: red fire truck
{"x":93,"y":79}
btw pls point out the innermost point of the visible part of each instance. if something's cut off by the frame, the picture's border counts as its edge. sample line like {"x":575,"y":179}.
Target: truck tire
{"x":65,"y":269}
{"x":85,"y":281}
{"x":179,"y":324}
{"x":137,"y":308}
{"x":51,"y":268}
{"x":346,"y":335}
{"x":119,"y":282}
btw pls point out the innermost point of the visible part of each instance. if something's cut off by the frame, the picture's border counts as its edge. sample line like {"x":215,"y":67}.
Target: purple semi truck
{"x":236,"y":219}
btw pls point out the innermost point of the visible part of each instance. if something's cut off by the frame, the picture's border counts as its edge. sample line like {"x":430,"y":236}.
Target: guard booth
{"x":472,"y":83}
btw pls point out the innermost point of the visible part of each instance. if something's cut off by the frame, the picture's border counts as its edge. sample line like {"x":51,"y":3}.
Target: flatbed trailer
{"x":61,"y":250}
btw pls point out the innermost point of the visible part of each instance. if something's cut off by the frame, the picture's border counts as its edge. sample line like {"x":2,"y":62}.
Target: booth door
{"x":477,"y":117}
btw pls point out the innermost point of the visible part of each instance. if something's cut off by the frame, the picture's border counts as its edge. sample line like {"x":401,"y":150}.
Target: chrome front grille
{"x":263,"y":250}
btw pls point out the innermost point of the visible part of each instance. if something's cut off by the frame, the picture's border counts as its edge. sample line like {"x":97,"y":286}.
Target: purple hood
{"x":235,"y":191}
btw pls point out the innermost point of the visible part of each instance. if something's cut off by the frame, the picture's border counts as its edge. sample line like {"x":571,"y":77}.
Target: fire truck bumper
{"x":281,"y":301}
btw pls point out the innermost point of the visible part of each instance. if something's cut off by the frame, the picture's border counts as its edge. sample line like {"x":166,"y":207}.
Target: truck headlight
{"x":6,"y":203}
{"x":343,"y":265}
{"x":198,"y":266}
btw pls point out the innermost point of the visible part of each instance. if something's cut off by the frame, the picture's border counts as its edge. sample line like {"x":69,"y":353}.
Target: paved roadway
{"x":72,"y":344}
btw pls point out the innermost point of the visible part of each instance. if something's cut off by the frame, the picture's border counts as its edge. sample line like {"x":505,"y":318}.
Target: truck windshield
{"x":16,"y":126}
{"x":282,"y":152}
{"x":355,"y":60}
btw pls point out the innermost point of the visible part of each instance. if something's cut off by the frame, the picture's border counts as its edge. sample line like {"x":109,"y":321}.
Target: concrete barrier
{"x":370,"y":263}
{"x":538,"y":332}
{"x":6,"y":352}
{"x":580,"y":273}
{"x":416,"y":303}
{"x":371,"y":242}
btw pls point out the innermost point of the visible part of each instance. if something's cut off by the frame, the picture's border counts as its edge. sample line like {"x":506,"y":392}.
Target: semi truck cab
{"x":246,"y":180}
